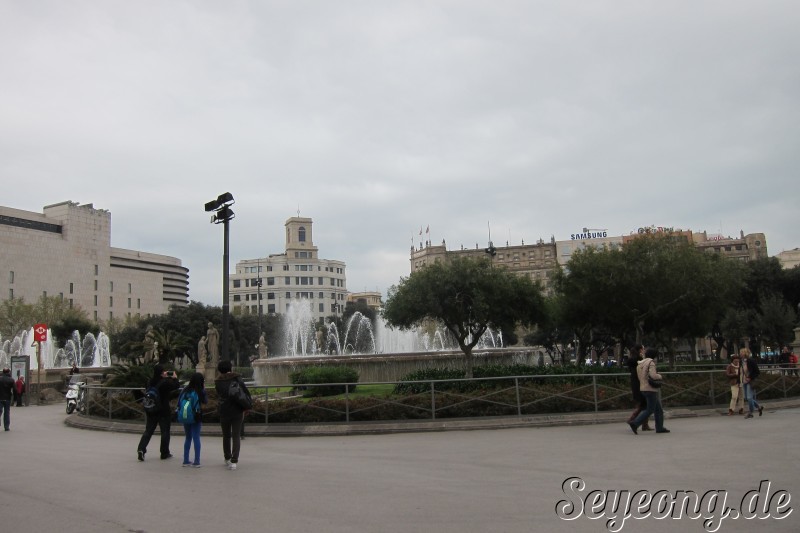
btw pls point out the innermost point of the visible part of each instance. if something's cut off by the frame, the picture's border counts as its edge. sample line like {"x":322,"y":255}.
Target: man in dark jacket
{"x":166,"y":383}
{"x":231,"y":414}
{"x":6,"y":393}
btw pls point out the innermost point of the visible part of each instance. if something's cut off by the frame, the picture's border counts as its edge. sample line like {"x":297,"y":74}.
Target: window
{"x":95,"y":301}
{"x":301,"y":234}
{"x":270,"y":308}
{"x":237,"y":283}
{"x":129,"y":304}
{"x":320,"y":281}
{"x":237,"y":297}
{"x":110,"y":286}
{"x":95,"y":316}
{"x":95,"y":284}
{"x":111,"y":301}
{"x":96,"y":270}
{"x":287,"y":280}
{"x":288,"y":295}
{"x":270,"y":296}
{"x":270,"y":281}
{"x":11,"y":277}
{"x":70,"y":303}
{"x":138,"y":303}
{"x":321,"y":308}
{"x":130,"y":288}
{"x":286,"y":267}
{"x":10,"y":294}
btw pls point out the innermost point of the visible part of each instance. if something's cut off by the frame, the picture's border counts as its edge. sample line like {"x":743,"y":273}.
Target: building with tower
{"x":297,"y":274}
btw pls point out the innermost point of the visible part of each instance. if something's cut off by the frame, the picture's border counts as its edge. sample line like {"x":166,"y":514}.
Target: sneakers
{"x":662,"y":430}
{"x":760,"y":410}
{"x":227,"y":462}
{"x":168,"y":456}
{"x":232,"y":466}
{"x":749,"y":415}
{"x":633,"y":428}
{"x":140,"y":455}
{"x":186,"y":465}
{"x":196,"y":465}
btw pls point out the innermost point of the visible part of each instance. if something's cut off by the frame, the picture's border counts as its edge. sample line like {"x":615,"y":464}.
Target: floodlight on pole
{"x":223,"y":214}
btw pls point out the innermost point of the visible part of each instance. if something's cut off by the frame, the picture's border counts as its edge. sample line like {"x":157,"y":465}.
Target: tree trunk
{"x":468,"y":362}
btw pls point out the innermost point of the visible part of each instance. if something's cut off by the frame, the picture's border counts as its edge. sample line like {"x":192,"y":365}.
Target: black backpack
{"x":151,"y":402}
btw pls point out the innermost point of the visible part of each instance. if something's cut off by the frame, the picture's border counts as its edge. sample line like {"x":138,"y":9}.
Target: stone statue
{"x":213,"y":345}
{"x":262,"y":347}
{"x":149,"y":344}
{"x":202,"y":353}
{"x":319,"y":341}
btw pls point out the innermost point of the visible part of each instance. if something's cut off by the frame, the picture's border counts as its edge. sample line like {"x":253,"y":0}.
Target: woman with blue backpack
{"x":191,"y":416}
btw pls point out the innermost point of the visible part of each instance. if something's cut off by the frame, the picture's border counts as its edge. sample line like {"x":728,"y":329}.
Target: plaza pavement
{"x":61,"y":478}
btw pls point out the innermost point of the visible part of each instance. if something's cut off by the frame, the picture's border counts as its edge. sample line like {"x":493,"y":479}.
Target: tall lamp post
{"x":222,"y":215}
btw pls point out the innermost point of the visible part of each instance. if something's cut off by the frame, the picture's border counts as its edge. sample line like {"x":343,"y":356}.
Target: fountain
{"x":87,"y":352}
{"x":378,"y":354}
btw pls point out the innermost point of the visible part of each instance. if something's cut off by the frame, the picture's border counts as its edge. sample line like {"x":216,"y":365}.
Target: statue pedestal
{"x":209,"y":373}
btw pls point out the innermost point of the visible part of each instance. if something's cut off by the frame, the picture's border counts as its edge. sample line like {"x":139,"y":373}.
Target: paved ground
{"x":65,"y":479}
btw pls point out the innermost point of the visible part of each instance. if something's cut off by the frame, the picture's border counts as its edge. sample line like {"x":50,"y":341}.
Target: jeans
{"x":5,"y":407}
{"x":163,"y":421}
{"x":192,"y":432}
{"x":231,"y":433}
{"x":750,"y":395}
{"x":653,"y":406}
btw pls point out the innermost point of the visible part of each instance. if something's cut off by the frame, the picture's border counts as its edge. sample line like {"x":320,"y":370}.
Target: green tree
{"x":774,"y":320}
{"x":15,"y":315}
{"x":655,"y":286}
{"x":466,"y":296}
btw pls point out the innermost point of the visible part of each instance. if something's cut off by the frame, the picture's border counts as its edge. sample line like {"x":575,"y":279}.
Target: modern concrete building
{"x":66,"y":252}
{"x":298,"y":274}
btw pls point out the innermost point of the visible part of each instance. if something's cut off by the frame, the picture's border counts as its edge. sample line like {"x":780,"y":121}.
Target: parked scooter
{"x":76,"y":394}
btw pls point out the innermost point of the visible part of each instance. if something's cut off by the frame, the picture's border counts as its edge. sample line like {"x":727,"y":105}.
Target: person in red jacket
{"x":19,"y":390}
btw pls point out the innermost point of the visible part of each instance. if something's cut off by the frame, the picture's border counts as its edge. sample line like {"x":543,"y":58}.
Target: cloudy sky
{"x":376,"y":118}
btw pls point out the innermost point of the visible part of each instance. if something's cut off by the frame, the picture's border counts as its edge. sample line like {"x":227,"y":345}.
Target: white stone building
{"x":297,"y":274}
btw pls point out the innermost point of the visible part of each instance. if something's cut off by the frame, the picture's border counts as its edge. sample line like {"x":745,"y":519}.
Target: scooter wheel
{"x":70,"y":408}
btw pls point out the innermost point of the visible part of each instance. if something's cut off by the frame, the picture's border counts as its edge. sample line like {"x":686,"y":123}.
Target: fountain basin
{"x":392,"y":367}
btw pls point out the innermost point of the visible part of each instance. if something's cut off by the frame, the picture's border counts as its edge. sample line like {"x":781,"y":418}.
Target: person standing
{"x":633,"y":361}
{"x":647,"y":369}
{"x":166,"y":384}
{"x":732,"y":372}
{"x":231,"y":414}
{"x":6,"y":394}
{"x":749,"y":374}
{"x":195,"y":393}
{"x":19,"y":390}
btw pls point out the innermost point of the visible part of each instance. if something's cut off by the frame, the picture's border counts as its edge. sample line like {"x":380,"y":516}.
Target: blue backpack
{"x":188,"y":405}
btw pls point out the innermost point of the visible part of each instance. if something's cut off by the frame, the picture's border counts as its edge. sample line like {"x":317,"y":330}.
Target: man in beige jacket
{"x":647,"y":369}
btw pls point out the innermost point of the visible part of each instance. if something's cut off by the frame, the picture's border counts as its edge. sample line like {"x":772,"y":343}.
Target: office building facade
{"x":66,"y":252}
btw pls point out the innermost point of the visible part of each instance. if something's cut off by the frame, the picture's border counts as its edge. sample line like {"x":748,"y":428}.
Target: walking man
{"x":6,"y":394}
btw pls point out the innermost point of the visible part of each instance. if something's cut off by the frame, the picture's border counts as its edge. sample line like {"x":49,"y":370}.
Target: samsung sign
{"x":589,"y":235}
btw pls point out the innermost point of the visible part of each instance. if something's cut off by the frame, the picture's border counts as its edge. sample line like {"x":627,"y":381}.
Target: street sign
{"x":40,"y":332}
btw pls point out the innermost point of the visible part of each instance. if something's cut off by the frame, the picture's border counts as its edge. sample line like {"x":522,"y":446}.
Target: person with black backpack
{"x":157,"y":410}
{"x":234,"y":400}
